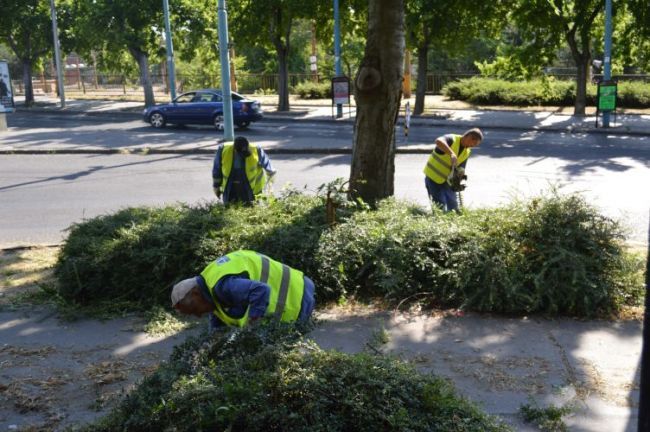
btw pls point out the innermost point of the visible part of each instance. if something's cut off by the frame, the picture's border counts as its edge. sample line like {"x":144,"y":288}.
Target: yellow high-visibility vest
{"x":287,"y":284}
{"x":254,"y":172}
{"x":438,"y":166}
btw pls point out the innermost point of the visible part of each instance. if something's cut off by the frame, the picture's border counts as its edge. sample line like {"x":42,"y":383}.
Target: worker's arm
{"x":443,"y":145}
{"x":217,"y":176}
{"x":239,"y":293}
{"x":264,"y":161}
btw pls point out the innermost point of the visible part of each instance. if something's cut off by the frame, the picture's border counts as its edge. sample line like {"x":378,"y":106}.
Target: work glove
{"x":217,"y":191}
{"x":271,"y":173}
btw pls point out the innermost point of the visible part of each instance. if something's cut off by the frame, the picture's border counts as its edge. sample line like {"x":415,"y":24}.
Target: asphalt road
{"x":40,"y":195}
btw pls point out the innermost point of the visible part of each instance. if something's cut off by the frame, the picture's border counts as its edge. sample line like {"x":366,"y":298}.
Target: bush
{"x":553,"y":254}
{"x":139,"y":253}
{"x":548,"y":91}
{"x":268,"y":379}
{"x":312,"y":90}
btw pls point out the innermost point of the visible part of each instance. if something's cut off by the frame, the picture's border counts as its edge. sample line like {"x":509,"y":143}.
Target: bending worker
{"x":240,"y":171}
{"x":451,"y":151}
{"x":244,"y":286}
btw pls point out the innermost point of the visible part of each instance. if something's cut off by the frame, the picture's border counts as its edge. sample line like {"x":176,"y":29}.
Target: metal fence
{"x":87,"y":82}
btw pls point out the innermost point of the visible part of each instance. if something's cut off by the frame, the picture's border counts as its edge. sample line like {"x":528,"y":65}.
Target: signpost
{"x":340,"y":93}
{"x":606,"y":99}
{"x":6,"y":94}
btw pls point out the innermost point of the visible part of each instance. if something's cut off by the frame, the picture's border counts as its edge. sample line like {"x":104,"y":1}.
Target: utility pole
{"x":222,"y":15}
{"x":313,"y":60}
{"x":644,"y":396}
{"x":406,"y":84}
{"x":170,"y":51}
{"x":607,"y":61}
{"x":337,"y":52}
{"x":57,"y":54}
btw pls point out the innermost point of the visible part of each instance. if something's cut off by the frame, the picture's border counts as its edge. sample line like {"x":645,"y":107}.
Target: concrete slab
{"x":502,"y":363}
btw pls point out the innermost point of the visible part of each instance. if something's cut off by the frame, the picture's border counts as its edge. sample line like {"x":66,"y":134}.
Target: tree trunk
{"x":378,"y":91}
{"x":423,"y":63}
{"x":145,"y":79}
{"x":27,"y":80}
{"x":283,"y":77}
{"x":582,"y":64}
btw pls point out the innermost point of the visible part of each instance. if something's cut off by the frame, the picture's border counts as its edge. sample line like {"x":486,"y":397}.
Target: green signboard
{"x":607,"y":96}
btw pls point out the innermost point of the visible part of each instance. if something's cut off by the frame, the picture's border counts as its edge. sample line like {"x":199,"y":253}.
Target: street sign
{"x":340,"y":90}
{"x":607,"y":96}
{"x":6,"y":93}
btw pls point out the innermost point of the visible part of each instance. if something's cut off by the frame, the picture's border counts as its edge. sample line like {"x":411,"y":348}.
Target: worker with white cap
{"x":244,"y":286}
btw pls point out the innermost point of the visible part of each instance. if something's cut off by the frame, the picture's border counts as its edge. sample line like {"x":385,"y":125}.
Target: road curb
{"x":419,"y":121}
{"x":152,"y":151}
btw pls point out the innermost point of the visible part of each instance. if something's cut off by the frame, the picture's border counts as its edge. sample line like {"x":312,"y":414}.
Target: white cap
{"x":181,"y":289}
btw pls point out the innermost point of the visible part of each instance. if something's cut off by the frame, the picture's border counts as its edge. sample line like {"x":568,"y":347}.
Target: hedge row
{"x":552,"y":254}
{"x":311,"y":90}
{"x":490,"y":91}
{"x":267,"y":379}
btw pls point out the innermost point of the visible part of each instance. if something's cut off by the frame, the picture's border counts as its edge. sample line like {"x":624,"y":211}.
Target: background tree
{"x":26,"y":27}
{"x":135,"y":27}
{"x":270,"y":22}
{"x":545,"y":25}
{"x":378,"y":90}
{"x":447,"y":26}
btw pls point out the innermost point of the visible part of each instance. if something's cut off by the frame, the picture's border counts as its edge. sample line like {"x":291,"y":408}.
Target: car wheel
{"x":157,"y":120}
{"x":218,"y":122}
{"x":243,"y":125}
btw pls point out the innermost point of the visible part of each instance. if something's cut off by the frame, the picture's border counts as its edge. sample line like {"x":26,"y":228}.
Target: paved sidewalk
{"x":630,"y":124}
{"x":593,"y":367}
{"x":498,"y":362}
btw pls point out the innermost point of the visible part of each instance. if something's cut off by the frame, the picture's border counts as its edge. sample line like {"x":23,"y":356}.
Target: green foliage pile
{"x":312,"y":90}
{"x":547,"y":419}
{"x":548,"y":91}
{"x":139,"y":253}
{"x":268,"y":379}
{"x":554,"y":254}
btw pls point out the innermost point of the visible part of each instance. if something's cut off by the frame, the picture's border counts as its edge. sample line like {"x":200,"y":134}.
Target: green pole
{"x":170,"y":51}
{"x":57,"y":55}
{"x":228,"y":129}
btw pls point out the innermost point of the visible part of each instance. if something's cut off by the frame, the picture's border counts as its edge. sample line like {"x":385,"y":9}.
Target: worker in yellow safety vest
{"x":240,"y":171}
{"x":244,"y":286}
{"x":451,"y":152}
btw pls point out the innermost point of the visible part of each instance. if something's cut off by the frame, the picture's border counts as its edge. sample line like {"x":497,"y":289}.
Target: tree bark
{"x":423,"y":68}
{"x":27,"y":81}
{"x":283,"y":76}
{"x":145,"y":79}
{"x":378,"y":91}
{"x":582,"y":65}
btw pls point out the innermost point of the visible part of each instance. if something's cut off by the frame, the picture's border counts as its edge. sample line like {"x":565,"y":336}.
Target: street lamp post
{"x":57,"y":54}
{"x":228,"y":129}
{"x":607,"y":61}
{"x":337,"y":52}
{"x":170,"y":51}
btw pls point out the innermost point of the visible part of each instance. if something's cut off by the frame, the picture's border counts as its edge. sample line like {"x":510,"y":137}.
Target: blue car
{"x":203,"y":107}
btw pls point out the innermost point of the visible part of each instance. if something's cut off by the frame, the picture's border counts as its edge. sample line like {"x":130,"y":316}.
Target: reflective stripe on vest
{"x":254,"y":172}
{"x":438,"y":166}
{"x":287,"y":284}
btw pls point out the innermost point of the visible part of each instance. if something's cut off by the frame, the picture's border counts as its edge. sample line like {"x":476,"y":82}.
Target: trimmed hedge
{"x":312,"y":90}
{"x":490,"y":91}
{"x":553,"y":254}
{"x":268,"y":379}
